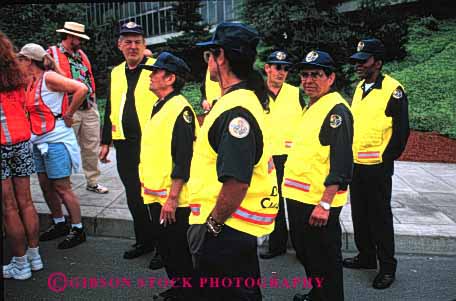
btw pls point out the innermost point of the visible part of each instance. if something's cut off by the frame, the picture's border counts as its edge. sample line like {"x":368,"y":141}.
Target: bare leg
{"x":27,"y":210}
{"x":53,"y":200}
{"x":71,"y":201}
{"x":13,"y":225}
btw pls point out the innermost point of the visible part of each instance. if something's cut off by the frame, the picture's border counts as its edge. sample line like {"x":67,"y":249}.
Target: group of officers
{"x":204,"y":195}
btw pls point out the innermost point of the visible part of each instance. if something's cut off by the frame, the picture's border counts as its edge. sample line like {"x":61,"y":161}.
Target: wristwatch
{"x":325,"y":205}
{"x":213,"y":226}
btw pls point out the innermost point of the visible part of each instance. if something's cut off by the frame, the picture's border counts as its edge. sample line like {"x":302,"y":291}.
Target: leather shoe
{"x":156,"y":262}
{"x":356,"y":263}
{"x":383,"y":280}
{"x":137,"y":250}
{"x":301,"y":297}
{"x":269,"y":254}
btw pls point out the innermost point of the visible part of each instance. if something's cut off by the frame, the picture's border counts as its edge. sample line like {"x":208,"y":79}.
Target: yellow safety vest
{"x":144,"y":98}
{"x":257,"y":212}
{"x":212,"y":88}
{"x":372,"y":128}
{"x":156,"y":162}
{"x":285,"y":113}
{"x":308,"y":163}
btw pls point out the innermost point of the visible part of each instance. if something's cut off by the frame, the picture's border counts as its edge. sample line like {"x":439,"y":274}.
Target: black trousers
{"x":318,"y":249}
{"x":231,"y":254}
{"x":279,"y":237}
{"x":370,"y":197}
{"x":173,"y":248}
{"x":127,"y":156}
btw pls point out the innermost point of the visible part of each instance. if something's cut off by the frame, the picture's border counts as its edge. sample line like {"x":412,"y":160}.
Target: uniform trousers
{"x":127,"y":156}
{"x":318,"y":249}
{"x":370,"y":197}
{"x":229,"y":255}
{"x":86,"y":126}
{"x":279,"y":237}
{"x":173,"y":249}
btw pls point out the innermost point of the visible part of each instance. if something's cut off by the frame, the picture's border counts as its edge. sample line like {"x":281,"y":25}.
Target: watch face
{"x":325,"y":205}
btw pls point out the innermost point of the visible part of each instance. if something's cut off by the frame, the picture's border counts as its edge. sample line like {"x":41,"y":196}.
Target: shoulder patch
{"x":398,"y":93}
{"x":335,"y":121}
{"x":239,"y":127}
{"x":187,"y":116}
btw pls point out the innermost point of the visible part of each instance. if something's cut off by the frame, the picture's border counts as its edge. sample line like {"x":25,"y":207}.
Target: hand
{"x":103,"y":155}
{"x":319,"y":217}
{"x":206,"y":106}
{"x":68,"y":119}
{"x":168,"y":211}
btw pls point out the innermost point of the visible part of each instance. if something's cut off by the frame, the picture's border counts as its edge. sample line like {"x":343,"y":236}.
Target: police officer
{"x":317,"y":172}
{"x":164,"y":169}
{"x":128,"y":108}
{"x":233,"y":195}
{"x":380,"y":111}
{"x":286,"y":103}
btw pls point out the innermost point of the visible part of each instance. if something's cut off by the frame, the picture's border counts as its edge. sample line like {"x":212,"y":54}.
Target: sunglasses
{"x":207,"y":54}
{"x":313,"y":75}
{"x":283,"y":67}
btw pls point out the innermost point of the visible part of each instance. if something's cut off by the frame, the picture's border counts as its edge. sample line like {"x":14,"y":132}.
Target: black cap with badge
{"x":317,"y":59}
{"x":169,"y":62}
{"x":279,"y":58}
{"x":131,"y":28}
{"x":235,"y":37}
{"x":367,"y":48}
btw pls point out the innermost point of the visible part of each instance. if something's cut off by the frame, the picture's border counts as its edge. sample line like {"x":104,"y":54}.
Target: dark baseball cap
{"x":317,"y":59}
{"x":367,"y":48}
{"x":234,"y":36}
{"x":279,"y":58}
{"x":131,"y":28}
{"x":169,"y":62}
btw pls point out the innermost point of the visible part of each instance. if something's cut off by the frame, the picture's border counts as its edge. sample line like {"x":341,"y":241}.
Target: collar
{"x":238,"y":86}
{"x":167,"y":97}
{"x":75,"y":54}
{"x":271,"y":94}
{"x":377,"y":84}
{"x":133,"y":70}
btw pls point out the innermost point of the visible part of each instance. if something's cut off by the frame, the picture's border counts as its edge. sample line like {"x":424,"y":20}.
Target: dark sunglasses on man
{"x":284,"y":67}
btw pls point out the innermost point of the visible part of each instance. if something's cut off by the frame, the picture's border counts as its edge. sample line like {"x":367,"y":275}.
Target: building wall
{"x":156,"y":17}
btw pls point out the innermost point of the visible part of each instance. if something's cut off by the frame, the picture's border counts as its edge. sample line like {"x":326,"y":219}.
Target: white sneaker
{"x":35,"y":262}
{"x":97,"y":188}
{"x":18,"y":271}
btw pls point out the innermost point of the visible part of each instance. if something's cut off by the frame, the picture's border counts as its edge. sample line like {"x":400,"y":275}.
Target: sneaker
{"x":97,"y":188}
{"x":18,"y":271}
{"x":55,"y":231}
{"x":75,"y":237}
{"x":35,"y":262}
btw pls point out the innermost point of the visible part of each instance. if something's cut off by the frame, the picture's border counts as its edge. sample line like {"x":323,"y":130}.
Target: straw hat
{"x":75,"y":29}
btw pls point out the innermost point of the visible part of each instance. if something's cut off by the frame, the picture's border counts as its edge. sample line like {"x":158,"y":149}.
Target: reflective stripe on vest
{"x":296,"y":184}
{"x":368,"y":155}
{"x":37,"y":105}
{"x":195,"y":208}
{"x":6,"y":132}
{"x":254,"y":217}
{"x":159,"y":193}
{"x":55,"y":55}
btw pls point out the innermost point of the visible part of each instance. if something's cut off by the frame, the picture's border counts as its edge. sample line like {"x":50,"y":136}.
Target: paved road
{"x":419,"y":277}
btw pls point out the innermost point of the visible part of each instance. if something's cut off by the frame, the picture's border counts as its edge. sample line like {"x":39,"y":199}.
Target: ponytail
{"x":47,"y":63}
{"x":256,"y":83}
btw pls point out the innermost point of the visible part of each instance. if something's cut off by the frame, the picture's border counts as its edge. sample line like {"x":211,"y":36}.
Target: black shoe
{"x":75,"y":237}
{"x":269,"y":254}
{"x":137,"y":250}
{"x":383,"y":280}
{"x":156,"y":262}
{"x":301,"y":297}
{"x":55,"y":231}
{"x":355,"y":263}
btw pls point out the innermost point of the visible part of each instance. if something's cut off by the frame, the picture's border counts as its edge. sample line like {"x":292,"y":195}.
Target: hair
{"x":12,"y":75}
{"x":242,"y":66}
{"x":47,"y":63}
{"x":179,"y":81}
{"x":379,"y":58}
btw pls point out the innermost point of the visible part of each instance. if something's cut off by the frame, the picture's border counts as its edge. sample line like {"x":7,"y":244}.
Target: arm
{"x":106,"y":136}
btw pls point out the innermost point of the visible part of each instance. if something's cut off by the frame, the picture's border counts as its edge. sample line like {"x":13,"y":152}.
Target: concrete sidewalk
{"x":424,"y":207}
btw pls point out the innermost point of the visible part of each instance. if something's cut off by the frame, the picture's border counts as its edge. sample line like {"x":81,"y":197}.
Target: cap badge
{"x":360,"y":46}
{"x":335,"y":121}
{"x":311,"y":56}
{"x":239,"y":127}
{"x":281,"y":56}
{"x":131,"y":25}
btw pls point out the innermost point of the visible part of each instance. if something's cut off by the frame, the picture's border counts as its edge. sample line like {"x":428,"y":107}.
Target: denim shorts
{"x":56,"y":163}
{"x":17,"y":160}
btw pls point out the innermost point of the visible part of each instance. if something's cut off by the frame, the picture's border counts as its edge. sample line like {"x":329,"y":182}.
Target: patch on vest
{"x":187,"y":116}
{"x":335,"y":121}
{"x":239,"y":127}
{"x":398,"y":93}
